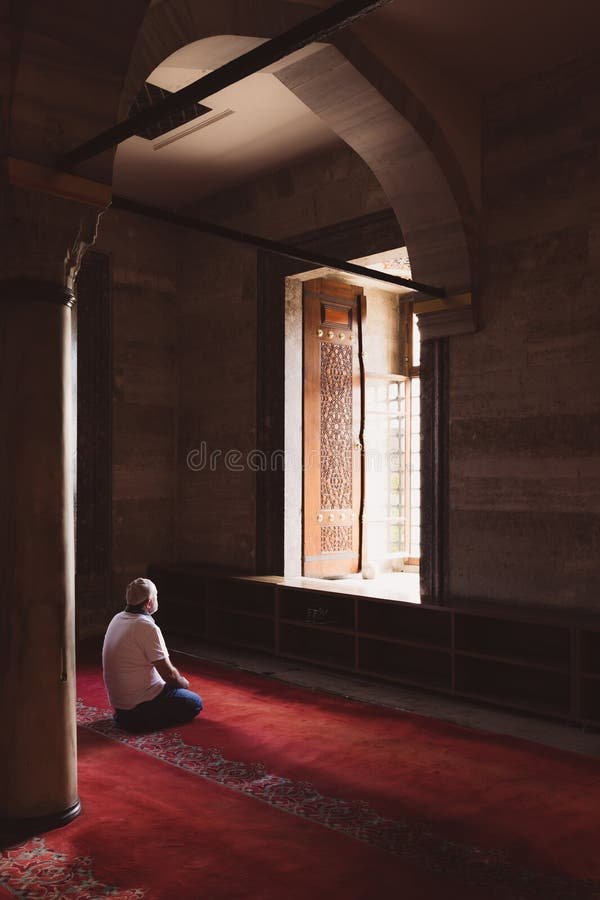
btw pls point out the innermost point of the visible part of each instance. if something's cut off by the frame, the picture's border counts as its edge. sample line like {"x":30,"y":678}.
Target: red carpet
{"x":280,"y":792}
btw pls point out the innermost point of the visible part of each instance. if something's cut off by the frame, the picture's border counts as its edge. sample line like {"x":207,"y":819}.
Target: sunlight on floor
{"x":387,"y":586}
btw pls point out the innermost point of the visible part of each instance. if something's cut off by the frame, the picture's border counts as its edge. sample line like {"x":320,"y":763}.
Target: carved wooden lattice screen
{"x":332,"y":427}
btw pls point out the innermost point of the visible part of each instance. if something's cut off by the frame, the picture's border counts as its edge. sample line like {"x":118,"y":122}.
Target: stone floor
{"x":553,"y":734}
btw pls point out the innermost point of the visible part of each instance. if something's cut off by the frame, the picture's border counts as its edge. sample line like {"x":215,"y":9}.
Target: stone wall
{"x":184,"y":348}
{"x":327,"y":188}
{"x":215,"y":505}
{"x":145,"y":391}
{"x":217,"y":345}
{"x":525,"y":391}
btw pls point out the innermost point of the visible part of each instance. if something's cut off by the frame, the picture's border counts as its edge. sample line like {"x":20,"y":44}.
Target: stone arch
{"x":362,"y":102}
{"x":68,"y":74}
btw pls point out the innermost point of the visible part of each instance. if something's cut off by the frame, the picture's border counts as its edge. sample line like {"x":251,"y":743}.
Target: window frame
{"x":412,"y":372}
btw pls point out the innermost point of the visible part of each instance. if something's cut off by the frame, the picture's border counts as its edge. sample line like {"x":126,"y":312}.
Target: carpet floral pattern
{"x":36,"y":872}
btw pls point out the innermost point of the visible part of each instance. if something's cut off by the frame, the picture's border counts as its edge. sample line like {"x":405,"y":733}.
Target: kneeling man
{"x":146,"y":691}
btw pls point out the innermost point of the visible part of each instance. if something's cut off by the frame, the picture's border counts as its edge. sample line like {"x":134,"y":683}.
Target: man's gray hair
{"x":140,"y":591}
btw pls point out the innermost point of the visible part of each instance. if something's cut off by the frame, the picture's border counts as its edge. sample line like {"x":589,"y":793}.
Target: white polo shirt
{"x":133,"y":642}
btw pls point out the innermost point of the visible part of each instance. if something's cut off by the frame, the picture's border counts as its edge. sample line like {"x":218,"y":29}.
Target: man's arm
{"x":169,"y":673}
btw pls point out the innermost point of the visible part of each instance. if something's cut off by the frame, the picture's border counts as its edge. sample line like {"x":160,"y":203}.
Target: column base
{"x":16,"y":829}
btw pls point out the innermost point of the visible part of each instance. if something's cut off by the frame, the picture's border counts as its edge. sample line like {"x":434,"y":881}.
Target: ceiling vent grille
{"x":191,"y":129}
{"x":149,"y":96}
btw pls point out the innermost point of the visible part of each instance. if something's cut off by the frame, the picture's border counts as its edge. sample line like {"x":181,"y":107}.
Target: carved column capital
{"x":44,"y":239}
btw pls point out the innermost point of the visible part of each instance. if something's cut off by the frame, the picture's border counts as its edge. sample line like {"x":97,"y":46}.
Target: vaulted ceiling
{"x":254,"y":126}
{"x":485,"y":43}
{"x":451,"y":56}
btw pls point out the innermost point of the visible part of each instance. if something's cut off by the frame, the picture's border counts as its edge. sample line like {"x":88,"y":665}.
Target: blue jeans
{"x":173,"y":706}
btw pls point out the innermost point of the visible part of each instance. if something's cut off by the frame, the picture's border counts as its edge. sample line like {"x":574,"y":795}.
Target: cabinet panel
{"x":317,"y":608}
{"x":249,"y":631}
{"x":528,"y":642}
{"x":512,"y":662}
{"x":590,"y":699}
{"x":424,"y":626}
{"x":431,"y":668}
{"x":327,"y":647}
{"x":514,"y":685}
{"x":590,"y":652}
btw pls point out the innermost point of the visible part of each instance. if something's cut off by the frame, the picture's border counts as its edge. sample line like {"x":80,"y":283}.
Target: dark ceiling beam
{"x":241,"y":237}
{"x":316,"y":28}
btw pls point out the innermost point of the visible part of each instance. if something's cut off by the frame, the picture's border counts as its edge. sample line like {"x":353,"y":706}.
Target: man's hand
{"x":169,"y":673}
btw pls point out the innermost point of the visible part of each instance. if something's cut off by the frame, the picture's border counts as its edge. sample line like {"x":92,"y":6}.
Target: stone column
{"x":436,"y":328}
{"x":433,"y":568}
{"x":43,"y":240}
